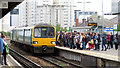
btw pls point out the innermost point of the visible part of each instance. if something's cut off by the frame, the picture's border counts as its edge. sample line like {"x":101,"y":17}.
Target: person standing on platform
{"x":1,"y":49}
{"x":86,"y":41}
{"x":116,"y":41}
{"x":91,"y":41}
{"x":83,"y":41}
{"x":87,"y":38}
{"x":70,"y":40}
{"x":95,"y":38}
{"x":80,"y":41}
{"x":111,"y":40}
{"x":5,"y":50}
{"x":103,"y":41}
{"x":108,"y":41}
{"x":60,"y":38}
{"x":75,"y":41}
{"x":73,"y":35}
{"x":98,"y":39}
{"x":67,"y":36}
{"x":64,"y":40}
{"x":57,"y":39}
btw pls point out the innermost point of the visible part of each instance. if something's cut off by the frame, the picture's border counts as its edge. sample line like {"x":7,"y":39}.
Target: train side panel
{"x":28,"y":38}
{"x":14,"y":35}
{"x":20,"y":36}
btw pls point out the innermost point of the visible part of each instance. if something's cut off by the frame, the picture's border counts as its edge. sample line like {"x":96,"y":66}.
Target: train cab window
{"x":44,"y":32}
{"x":37,"y":32}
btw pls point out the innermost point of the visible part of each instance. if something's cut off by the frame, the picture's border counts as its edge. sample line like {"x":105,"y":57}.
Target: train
{"x":40,"y":38}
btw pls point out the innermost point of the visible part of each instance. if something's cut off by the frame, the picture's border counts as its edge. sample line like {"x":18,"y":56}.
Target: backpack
{"x":6,"y":46}
{"x":83,"y":39}
{"x":7,"y":49}
{"x":92,"y":42}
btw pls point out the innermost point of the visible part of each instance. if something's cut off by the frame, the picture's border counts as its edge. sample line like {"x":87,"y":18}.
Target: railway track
{"x":26,"y":63}
{"x":70,"y":63}
{"x":61,"y":63}
{"x":56,"y":61}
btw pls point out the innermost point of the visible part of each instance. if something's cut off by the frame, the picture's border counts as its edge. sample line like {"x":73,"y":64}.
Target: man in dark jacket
{"x":4,"y":50}
{"x":73,"y":35}
{"x":103,"y":41}
{"x":60,"y":38}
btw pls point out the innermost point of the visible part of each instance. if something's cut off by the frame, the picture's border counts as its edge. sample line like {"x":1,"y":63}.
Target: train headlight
{"x":35,"y":42}
{"x":53,"y":43}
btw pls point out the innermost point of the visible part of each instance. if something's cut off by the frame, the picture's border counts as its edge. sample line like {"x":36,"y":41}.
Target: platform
{"x":110,"y":54}
{"x":12,"y":63}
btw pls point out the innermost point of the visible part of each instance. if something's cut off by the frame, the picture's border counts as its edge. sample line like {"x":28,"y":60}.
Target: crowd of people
{"x":89,"y":41}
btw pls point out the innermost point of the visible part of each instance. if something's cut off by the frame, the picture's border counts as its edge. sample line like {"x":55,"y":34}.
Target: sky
{"x":96,"y":5}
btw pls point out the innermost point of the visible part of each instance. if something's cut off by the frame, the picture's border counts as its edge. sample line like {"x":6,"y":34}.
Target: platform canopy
{"x":7,"y":5}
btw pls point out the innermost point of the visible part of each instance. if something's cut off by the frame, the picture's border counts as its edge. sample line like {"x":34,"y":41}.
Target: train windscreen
{"x":44,"y":32}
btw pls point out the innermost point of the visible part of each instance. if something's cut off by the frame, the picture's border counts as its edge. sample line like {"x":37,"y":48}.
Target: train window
{"x":44,"y":32}
{"x":20,"y":33}
{"x":27,"y":32}
{"x":37,"y":32}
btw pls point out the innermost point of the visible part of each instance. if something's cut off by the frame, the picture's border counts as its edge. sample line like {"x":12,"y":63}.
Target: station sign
{"x":108,"y":29}
{"x":15,"y":11}
{"x":92,"y":24}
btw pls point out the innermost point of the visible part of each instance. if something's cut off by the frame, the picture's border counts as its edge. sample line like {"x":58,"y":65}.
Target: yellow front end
{"x":44,"y":45}
{"x":44,"y":42}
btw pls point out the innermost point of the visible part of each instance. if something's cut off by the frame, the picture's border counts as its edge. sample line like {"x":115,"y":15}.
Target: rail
{"x":23,"y":60}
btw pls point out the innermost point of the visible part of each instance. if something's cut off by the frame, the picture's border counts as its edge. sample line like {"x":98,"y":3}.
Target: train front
{"x":44,"y":39}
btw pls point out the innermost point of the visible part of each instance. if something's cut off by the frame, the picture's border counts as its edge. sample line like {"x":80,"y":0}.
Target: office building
{"x":56,"y":12}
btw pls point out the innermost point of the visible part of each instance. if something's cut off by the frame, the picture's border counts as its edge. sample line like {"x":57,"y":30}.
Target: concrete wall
{"x":86,"y":60}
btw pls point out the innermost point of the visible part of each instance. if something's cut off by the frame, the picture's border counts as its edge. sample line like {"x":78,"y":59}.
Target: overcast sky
{"x":96,"y":5}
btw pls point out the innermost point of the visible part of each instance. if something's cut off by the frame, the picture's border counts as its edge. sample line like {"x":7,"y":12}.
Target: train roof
{"x":42,"y":24}
{"x":24,"y":28}
{"x":30,"y":27}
